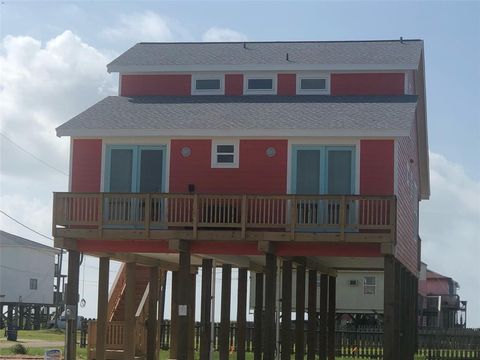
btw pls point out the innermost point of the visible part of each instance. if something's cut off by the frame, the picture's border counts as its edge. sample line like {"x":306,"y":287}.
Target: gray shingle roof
{"x":263,"y":112}
{"x":333,"y":55}
{"x":7,"y":239}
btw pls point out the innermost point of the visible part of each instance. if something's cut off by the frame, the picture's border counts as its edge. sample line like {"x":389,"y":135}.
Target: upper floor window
{"x":33,"y":284}
{"x":312,"y":84}
{"x":225,"y":154}
{"x":260,"y":84}
{"x":207,"y":85}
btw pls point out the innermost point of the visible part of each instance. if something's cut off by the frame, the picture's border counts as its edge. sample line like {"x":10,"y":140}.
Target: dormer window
{"x":207,"y":85}
{"x":315,"y":84}
{"x":224,"y":154}
{"x":260,"y":84}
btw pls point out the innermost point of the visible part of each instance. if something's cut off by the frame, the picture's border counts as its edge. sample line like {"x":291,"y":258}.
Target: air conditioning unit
{"x":353,"y":282}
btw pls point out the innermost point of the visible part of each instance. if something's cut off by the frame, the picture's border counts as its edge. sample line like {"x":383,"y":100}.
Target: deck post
{"x":390,"y":336}
{"x":312,"y":314}
{"x":224,"y":332}
{"x":258,"y":317}
{"x":152,"y":314}
{"x":205,"y":309}
{"x":191,"y":316}
{"x":102,"y":308}
{"x":269,"y":337}
{"x":241,"y":313}
{"x":286,"y":334}
{"x":174,"y":316}
{"x":161,"y":308}
{"x":332,"y":308}
{"x":300,"y":313}
{"x":71,"y":303}
{"x":323,"y":317}
{"x":129,"y":328}
{"x":183,"y":309}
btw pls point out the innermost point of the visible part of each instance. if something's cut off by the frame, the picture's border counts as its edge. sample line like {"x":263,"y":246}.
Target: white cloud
{"x":449,"y":227}
{"x":145,"y":26}
{"x":215,"y":34}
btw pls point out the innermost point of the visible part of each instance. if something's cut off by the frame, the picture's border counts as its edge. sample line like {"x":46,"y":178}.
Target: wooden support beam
{"x":224,"y":331}
{"x":269,"y":347}
{"x":152,"y":314}
{"x":191,"y":317}
{"x":241,"y":313}
{"x":332,"y":309}
{"x":183,"y":309}
{"x":257,"y":317}
{"x":174,"y":316}
{"x":390,"y":322}
{"x":162,"y":283}
{"x":71,"y":303}
{"x":102,"y":308}
{"x":322,"y":345}
{"x":312,"y":315}
{"x":129,"y":329}
{"x":266,"y":247}
{"x":205,"y":309}
{"x":286,"y":333}
{"x":300,"y":314}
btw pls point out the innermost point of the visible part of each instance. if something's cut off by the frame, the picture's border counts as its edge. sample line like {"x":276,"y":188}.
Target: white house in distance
{"x":27,"y":270}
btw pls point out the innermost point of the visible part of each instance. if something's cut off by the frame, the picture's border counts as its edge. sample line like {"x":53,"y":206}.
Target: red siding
{"x":368,"y":84}
{"x":287,"y":84}
{"x":86,"y":165}
{"x":257,"y":172}
{"x":376,"y":167}
{"x":163,"y":85}
{"x":234,"y":84}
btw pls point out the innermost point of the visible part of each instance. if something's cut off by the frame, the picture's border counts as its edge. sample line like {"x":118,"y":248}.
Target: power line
{"x":32,"y":155}
{"x":25,"y":226}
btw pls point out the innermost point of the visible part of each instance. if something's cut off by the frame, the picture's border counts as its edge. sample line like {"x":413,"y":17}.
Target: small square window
{"x":260,"y":84}
{"x":369,"y":285}
{"x":313,"y":84}
{"x":33,"y":284}
{"x":207,"y":84}
{"x":224,"y":154}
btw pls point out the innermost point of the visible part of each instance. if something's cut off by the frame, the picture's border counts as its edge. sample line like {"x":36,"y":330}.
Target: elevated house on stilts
{"x":282,"y":159}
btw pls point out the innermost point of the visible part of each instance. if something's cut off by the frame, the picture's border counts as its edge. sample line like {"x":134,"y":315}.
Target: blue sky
{"x":49,"y":75}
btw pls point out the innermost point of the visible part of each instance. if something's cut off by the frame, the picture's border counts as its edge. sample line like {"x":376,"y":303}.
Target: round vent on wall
{"x":271,"y":152}
{"x":186,"y":151}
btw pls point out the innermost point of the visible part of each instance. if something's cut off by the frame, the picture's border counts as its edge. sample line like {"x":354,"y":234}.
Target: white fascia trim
{"x":264,"y":133}
{"x":260,"y":67}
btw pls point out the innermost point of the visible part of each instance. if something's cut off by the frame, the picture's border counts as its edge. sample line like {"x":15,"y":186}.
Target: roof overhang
{"x":258,"y":67}
{"x":263,"y":133}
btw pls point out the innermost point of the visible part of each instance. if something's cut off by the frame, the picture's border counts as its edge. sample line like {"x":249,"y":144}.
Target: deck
{"x":329,"y":218}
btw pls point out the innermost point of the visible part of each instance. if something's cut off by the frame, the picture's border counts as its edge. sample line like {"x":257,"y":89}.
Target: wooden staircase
{"x":116,"y":316}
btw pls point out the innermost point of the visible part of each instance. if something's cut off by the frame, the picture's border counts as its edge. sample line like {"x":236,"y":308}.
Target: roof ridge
{"x":275,"y":41}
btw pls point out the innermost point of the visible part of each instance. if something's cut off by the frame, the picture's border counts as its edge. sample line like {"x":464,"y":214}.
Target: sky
{"x":53,"y":57}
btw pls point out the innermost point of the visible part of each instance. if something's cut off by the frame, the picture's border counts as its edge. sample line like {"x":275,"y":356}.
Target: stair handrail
{"x":116,"y":292}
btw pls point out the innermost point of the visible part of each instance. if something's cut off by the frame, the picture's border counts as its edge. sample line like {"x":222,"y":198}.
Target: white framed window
{"x":260,"y":84}
{"x":313,"y":84}
{"x":369,"y":285}
{"x":209,"y":84}
{"x":225,"y":154}
{"x":33,"y":284}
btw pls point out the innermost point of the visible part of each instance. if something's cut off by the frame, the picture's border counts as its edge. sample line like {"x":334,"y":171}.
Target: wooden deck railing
{"x":195,"y":212}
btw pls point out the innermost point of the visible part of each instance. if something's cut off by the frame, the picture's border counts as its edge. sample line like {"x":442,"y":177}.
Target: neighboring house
{"x":442,"y":306}
{"x":258,"y":155}
{"x":27,"y":270}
